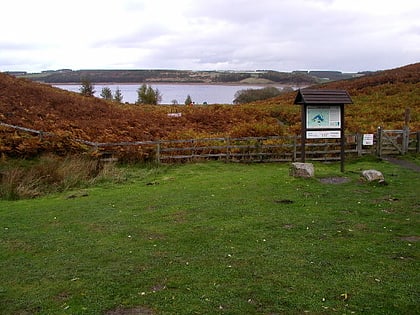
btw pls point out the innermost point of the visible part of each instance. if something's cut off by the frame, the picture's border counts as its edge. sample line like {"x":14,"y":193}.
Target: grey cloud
{"x":236,"y":34}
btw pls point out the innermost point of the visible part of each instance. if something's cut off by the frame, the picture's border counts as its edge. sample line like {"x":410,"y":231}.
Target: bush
{"x":147,"y":95}
{"x":87,"y":88}
{"x":49,"y":174}
{"x":106,"y":93}
{"x":252,"y":95}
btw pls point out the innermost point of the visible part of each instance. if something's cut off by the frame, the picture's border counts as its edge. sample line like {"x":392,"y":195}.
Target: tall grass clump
{"x":22,"y":179}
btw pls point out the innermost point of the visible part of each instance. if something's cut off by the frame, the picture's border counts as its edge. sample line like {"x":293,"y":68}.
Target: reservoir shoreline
{"x":176,"y":93}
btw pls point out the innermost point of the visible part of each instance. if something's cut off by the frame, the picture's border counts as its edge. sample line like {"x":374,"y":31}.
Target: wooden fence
{"x":252,"y":149}
{"x":396,"y":142}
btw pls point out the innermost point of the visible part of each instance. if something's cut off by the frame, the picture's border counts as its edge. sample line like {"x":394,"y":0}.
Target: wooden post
{"x":407,"y":116}
{"x":379,"y":142}
{"x":359,"y":144}
{"x":406,"y":130}
{"x":303,"y":137}
{"x":405,"y":140}
{"x":418,"y":142}
{"x":259,"y":145}
{"x":343,"y":138}
{"x":227,"y":149}
{"x":158,"y":152}
{"x":294,"y":148}
{"x":193,"y":149}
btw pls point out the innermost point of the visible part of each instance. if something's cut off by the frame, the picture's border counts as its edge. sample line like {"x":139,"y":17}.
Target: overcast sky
{"x":282,"y":35}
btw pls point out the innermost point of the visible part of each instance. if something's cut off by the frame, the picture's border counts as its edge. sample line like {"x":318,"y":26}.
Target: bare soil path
{"x":403,"y":163}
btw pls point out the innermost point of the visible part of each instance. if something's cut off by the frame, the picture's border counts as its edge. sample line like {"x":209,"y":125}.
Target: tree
{"x":147,"y":95}
{"x":106,"y":93}
{"x":118,"y":97}
{"x":188,"y":100}
{"x":252,"y":95}
{"x":87,"y":88}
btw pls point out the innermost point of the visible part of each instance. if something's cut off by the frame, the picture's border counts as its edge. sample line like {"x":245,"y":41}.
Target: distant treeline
{"x":168,"y":76}
{"x":274,"y":76}
{"x":332,"y":75}
{"x":186,"y":76}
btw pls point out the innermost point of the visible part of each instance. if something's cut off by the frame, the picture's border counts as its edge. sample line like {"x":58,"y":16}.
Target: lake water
{"x":200,"y":93}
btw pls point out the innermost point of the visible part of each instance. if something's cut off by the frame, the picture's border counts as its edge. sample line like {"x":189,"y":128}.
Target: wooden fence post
{"x":258,"y":146}
{"x":294,"y":148}
{"x":418,"y":142}
{"x":158,"y":152}
{"x":405,"y":140}
{"x":359,"y":144}
{"x":379,"y":142}
{"x":227,"y":149}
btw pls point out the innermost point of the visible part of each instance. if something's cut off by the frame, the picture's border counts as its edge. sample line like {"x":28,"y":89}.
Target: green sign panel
{"x":323,"y":117}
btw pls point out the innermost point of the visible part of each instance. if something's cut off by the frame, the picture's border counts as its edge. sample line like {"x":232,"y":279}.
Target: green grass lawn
{"x":217,"y":238}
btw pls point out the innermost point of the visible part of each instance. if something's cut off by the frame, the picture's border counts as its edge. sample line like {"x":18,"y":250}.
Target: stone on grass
{"x":305,"y":170}
{"x":373,"y":175}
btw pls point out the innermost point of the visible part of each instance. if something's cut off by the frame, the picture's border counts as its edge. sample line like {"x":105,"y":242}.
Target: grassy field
{"x":217,"y":238}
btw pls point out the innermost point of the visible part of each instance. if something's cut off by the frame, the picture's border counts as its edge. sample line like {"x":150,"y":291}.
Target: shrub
{"x":49,"y":174}
{"x":147,"y":95}
{"x":87,"y":88}
{"x":252,"y":95}
{"x":106,"y":93}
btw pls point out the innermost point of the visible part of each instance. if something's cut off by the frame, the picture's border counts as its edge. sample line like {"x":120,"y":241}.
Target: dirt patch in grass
{"x":180,"y":217}
{"x":334,"y":180}
{"x":155,"y":236}
{"x":140,"y":310}
{"x":288,"y":226}
{"x":62,"y":296}
{"x":410,"y":238}
{"x":284,"y":201}
{"x":158,"y":287}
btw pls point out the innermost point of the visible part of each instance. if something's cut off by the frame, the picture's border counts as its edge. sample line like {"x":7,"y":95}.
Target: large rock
{"x":373,"y":175}
{"x":302,"y":170}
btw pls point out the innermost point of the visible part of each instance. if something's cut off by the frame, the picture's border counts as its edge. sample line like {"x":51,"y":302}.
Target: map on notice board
{"x":323,"y":117}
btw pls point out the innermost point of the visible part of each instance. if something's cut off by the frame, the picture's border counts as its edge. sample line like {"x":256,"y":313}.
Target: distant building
{"x":16,"y":73}
{"x":56,"y":71}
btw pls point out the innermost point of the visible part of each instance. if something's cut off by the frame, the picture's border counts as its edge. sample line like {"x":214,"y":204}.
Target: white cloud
{"x":209,"y":34}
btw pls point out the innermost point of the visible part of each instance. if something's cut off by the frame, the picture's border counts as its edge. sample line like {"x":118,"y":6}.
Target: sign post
{"x":323,"y":116}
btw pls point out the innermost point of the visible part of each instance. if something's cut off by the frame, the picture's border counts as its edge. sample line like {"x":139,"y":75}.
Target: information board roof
{"x":318,"y":97}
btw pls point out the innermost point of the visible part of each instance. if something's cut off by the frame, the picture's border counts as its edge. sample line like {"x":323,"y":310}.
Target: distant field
{"x":217,"y":238}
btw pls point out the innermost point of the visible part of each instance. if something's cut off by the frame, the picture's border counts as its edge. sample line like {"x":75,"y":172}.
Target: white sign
{"x":323,"y":117}
{"x":336,"y":134}
{"x":368,"y":139}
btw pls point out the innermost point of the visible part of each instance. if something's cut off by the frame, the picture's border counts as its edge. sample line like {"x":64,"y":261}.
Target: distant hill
{"x":379,"y":100}
{"x":170,"y":76}
{"x":409,"y":74}
{"x":42,"y":107}
{"x":327,"y":76}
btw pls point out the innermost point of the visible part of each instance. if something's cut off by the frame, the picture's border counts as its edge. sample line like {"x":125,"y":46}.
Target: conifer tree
{"x":188,"y":100}
{"x":87,"y":88}
{"x":106,"y":93}
{"x":118,"y":97}
{"x":147,"y":95}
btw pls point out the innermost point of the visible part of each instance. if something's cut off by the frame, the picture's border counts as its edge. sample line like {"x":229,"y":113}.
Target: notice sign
{"x":323,"y":117}
{"x":368,"y":139}
{"x":336,"y":134}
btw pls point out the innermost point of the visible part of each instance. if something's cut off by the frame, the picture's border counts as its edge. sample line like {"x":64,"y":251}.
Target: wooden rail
{"x":251,"y":149}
